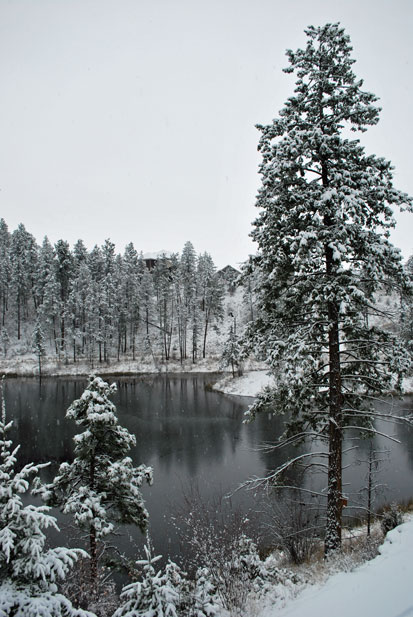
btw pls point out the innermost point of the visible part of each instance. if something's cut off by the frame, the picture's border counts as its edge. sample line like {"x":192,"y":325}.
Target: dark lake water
{"x":193,"y":438}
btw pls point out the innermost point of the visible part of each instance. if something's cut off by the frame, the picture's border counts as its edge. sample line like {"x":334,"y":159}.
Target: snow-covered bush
{"x":221,"y":555}
{"x":293,"y":524}
{"x":77,"y":588}
{"x":391,"y":518}
{"x":29,"y":571}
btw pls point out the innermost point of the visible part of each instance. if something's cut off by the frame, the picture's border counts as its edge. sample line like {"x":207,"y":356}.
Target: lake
{"x":195,"y":441}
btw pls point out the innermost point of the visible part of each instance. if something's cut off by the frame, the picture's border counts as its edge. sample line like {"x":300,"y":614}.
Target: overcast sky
{"x":135,"y":119}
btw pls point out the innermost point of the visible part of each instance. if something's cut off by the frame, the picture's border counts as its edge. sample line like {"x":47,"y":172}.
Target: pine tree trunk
{"x":18,"y":318}
{"x":205,"y":339}
{"x":369,"y":490}
{"x":335,"y":436}
{"x":62,"y":332}
{"x":335,"y":428}
{"x":92,"y":537}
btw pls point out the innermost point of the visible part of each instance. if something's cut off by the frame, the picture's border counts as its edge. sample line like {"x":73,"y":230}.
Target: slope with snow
{"x":379,"y":588}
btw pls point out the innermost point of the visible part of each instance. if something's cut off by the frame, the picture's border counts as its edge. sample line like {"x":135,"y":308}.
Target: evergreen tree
{"x":100,"y":488}
{"x":4,"y":341}
{"x":163,"y":279}
{"x":4,"y":268}
{"x":146,"y":295}
{"x":29,"y":571}
{"x":211,"y":293}
{"x":131,"y":297}
{"x":157,"y":594}
{"x":38,"y":344}
{"x":46,"y":269}
{"x":323,"y":254}
{"x":406,"y":310}
{"x":64,"y":268}
{"x":23,"y":267}
{"x":232,"y":353}
{"x":79,"y":253}
{"x":188,"y":314}
{"x":48,"y":293}
{"x":108,"y":298}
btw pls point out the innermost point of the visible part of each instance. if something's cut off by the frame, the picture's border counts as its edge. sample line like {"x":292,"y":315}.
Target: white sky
{"x":135,"y":119}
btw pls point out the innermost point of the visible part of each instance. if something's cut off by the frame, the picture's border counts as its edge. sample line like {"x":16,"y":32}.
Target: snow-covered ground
{"x":249,"y":384}
{"x":381,"y":587}
{"x":252,"y":382}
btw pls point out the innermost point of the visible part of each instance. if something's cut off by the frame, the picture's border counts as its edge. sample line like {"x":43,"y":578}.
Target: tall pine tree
{"x":324,"y":253}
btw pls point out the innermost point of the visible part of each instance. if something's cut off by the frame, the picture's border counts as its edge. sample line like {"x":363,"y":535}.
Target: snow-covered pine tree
{"x":38,"y":343}
{"x":130,"y":310}
{"x":324,"y":252}
{"x":164,"y":274}
{"x":23,"y":257}
{"x":29,"y":571}
{"x":406,"y":310}
{"x":64,"y":269}
{"x":204,"y":602}
{"x":211,"y":295}
{"x":4,"y":269}
{"x":232,"y":353}
{"x":108,"y":297}
{"x":157,"y":593}
{"x":100,"y":488}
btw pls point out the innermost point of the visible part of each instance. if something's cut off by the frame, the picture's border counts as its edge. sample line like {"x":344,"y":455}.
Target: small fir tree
{"x":204,"y":602}
{"x":101,"y":487}
{"x":29,"y":571}
{"x":157,"y":594}
{"x":4,"y":340}
{"x":232,"y":353}
{"x":38,"y":344}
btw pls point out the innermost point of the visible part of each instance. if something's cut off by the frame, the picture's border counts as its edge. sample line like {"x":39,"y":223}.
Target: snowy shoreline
{"x":248,"y":385}
{"x":252,"y":382}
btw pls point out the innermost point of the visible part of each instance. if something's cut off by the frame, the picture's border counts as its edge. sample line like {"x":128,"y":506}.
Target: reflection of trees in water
{"x":38,"y":414}
{"x":390,"y":473}
{"x":178,"y":421}
{"x":404,"y":431}
{"x":175,"y":420}
{"x":267,"y":431}
{"x":178,"y":425}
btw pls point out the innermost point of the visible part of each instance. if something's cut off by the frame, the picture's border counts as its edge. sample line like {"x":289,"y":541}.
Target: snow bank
{"x":379,"y":588}
{"x":250,"y":384}
{"x":408,"y":385}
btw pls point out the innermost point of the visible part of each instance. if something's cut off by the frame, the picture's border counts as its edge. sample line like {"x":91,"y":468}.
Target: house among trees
{"x":229,"y":275}
{"x":150,"y":259}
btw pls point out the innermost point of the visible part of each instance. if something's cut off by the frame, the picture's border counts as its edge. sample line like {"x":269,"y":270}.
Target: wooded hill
{"x":101,"y":307}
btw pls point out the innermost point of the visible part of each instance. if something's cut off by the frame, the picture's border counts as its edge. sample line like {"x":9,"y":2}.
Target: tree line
{"x":100,"y":306}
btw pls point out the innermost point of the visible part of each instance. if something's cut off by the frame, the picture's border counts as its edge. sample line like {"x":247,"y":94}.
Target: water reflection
{"x":190,"y":435}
